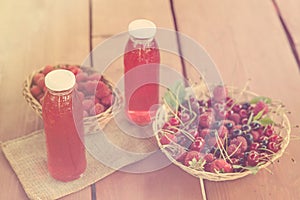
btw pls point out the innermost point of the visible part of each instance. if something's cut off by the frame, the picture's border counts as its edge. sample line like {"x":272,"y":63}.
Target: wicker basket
{"x":91,"y":123}
{"x":284,"y":131}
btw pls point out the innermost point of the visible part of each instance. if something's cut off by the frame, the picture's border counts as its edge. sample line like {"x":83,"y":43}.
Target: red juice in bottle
{"x":141,"y":52}
{"x":63,"y":125}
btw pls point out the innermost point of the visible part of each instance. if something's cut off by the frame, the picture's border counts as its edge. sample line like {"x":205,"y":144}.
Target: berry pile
{"x":96,"y":96}
{"x":220,"y":134}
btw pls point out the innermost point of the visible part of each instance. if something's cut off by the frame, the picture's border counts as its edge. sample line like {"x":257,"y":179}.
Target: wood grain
{"x":34,"y":34}
{"x":289,"y":11}
{"x":246,"y":40}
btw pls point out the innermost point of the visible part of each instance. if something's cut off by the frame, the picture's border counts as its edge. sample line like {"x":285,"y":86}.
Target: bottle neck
{"x":145,"y":42}
{"x":61,"y":93}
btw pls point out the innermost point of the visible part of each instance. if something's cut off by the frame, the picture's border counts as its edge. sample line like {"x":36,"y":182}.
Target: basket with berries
{"x":221,"y":135}
{"x":94,"y":91}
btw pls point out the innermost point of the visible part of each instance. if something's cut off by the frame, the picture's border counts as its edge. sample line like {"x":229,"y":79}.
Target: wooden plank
{"x":34,"y":34}
{"x":246,"y":40}
{"x":111,"y":18}
{"x":289,"y":11}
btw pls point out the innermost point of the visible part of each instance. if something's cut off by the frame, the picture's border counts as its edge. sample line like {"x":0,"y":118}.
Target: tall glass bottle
{"x":63,"y":125}
{"x":141,"y":62}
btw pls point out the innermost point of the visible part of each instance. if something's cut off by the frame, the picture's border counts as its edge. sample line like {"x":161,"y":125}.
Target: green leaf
{"x":258,"y":116}
{"x":266,"y":121}
{"x":175,"y":96}
{"x":171,"y":100}
{"x":267,"y":100}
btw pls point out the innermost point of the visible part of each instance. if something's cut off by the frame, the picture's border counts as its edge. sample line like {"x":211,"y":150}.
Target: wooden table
{"x":246,"y":39}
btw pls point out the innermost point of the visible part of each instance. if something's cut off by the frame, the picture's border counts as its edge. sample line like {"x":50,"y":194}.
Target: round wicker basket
{"x":283,"y":129}
{"x":91,"y":123}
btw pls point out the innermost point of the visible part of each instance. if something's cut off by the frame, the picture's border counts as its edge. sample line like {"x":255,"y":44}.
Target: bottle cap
{"x":142,"y":29}
{"x":60,"y":80}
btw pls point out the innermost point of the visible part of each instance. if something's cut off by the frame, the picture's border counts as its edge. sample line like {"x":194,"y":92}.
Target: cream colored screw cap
{"x":60,"y":80}
{"x":142,"y":29}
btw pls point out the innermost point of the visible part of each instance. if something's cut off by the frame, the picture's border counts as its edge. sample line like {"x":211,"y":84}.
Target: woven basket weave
{"x":91,"y":123}
{"x":280,"y":119}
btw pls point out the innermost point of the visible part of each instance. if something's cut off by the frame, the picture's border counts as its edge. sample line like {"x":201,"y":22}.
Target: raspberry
{"x":220,"y":93}
{"x":259,"y":107}
{"x":47,"y":69}
{"x":220,"y":165}
{"x":233,"y":151}
{"x":190,"y":155}
{"x":41,"y":82}
{"x":240,"y":141}
{"x":206,"y":119}
{"x":235,"y":117}
{"x":97,"y":109}
{"x":87,"y":104}
{"x":35,"y":91}
{"x":81,"y":77}
{"x":37,"y":77}
{"x":89,"y":87}
{"x":108,"y":100}
{"x":209,"y":158}
{"x":102,"y":90}
{"x":74,"y":69}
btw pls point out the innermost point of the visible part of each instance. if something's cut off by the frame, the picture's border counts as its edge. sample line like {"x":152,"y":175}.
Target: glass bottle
{"x":63,"y":124}
{"x":141,"y":52}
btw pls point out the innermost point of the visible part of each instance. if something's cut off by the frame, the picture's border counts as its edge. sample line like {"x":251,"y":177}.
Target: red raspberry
{"x":74,"y":69}
{"x":209,"y":158}
{"x":37,"y":77}
{"x":221,"y":165}
{"x":167,"y":138}
{"x":102,"y":90}
{"x":81,"y":77}
{"x":35,"y":91}
{"x":190,"y":155}
{"x":97,"y":109}
{"x":89,"y":87}
{"x":41,"y":83}
{"x":87,"y":104}
{"x":259,"y":107}
{"x":235,"y":117}
{"x":108,"y":100}
{"x":233,"y":151}
{"x":220,"y":93}
{"x":240,"y":141}
{"x":206,"y":119}
{"x":47,"y":69}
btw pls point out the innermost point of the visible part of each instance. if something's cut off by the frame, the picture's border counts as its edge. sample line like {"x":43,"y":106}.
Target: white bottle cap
{"x":60,"y":80}
{"x":142,"y":29}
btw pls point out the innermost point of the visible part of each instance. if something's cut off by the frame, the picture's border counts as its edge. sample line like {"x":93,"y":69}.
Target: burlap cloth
{"x":27,"y":156}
